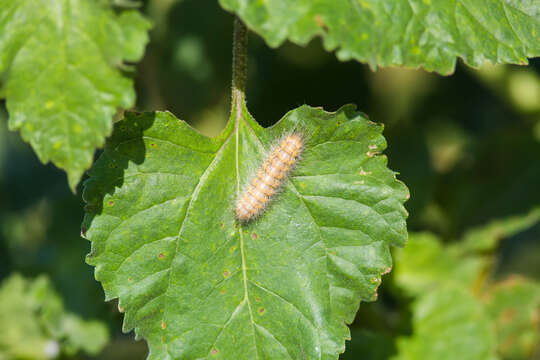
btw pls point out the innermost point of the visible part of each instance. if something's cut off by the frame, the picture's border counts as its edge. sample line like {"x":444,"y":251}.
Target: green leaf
{"x":194,"y":282}
{"x":449,"y":323}
{"x":413,"y":33}
{"x":425,"y":264}
{"x":487,"y":237}
{"x":34,"y":324}
{"x":452,"y":322}
{"x":61,"y":68}
{"x":514,"y":305}
{"x":458,"y":312}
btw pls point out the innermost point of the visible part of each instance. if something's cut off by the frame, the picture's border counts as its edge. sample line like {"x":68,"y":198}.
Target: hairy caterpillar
{"x":269,"y":178}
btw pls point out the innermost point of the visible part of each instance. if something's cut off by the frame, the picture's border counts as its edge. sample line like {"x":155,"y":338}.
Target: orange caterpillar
{"x":269,"y":178}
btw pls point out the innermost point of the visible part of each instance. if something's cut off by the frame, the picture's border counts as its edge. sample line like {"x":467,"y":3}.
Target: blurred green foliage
{"x":35,"y":326}
{"x":466,"y":145}
{"x":460,"y":307}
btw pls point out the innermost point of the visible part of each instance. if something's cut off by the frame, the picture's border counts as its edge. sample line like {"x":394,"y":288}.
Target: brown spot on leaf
{"x":254,"y":236}
{"x":214,"y":351}
{"x":226,"y":273}
{"x":371,"y":154}
{"x":161,"y":256}
{"x":320,"y":22}
{"x":508,"y":315}
{"x":261,"y":310}
{"x":163,"y":325}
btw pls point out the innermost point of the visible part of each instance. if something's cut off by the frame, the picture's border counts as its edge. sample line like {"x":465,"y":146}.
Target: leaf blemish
{"x":261,"y":310}
{"x":226,"y":273}
{"x":364,"y":173}
{"x":161,"y":256}
{"x":371,"y":153}
{"x":254,"y":236}
{"x":221,"y":225}
{"x":214,"y":351}
{"x":110,"y":203}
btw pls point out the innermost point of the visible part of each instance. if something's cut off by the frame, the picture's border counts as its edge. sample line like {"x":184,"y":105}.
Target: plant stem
{"x":239,"y":66}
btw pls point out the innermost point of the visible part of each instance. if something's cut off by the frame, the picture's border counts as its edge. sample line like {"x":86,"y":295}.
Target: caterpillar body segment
{"x":269,"y":178}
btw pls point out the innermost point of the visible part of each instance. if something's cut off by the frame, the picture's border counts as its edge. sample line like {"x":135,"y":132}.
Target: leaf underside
{"x":194,"y":282}
{"x":427,"y":33}
{"x":60,"y":63}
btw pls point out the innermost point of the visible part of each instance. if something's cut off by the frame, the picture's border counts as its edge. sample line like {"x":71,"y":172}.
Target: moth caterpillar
{"x":269,"y":178}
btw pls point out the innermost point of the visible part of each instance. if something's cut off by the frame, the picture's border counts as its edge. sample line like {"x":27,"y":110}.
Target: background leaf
{"x":515,"y":306}
{"x":197,"y":284}
{"x":461,"y":310}
{"x":61,"y":68}
{"x":34,"y":324}
{"x":449,"y":323}
{"x":413,"y":33}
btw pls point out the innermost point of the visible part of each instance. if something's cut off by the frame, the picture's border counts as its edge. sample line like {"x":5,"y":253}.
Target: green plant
{"x":191,"y":279}
{"x":35,"y":325}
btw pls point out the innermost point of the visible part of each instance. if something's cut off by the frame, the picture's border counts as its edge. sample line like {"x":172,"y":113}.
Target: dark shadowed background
{"x":467,"y":146}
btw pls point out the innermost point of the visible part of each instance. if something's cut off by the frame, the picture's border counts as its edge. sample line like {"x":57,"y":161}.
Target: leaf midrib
{"x":239,"y":115}
{"x":300,"y":197}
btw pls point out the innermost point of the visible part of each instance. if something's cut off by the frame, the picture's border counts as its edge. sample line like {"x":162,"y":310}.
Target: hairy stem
{"x":239,"y":67}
